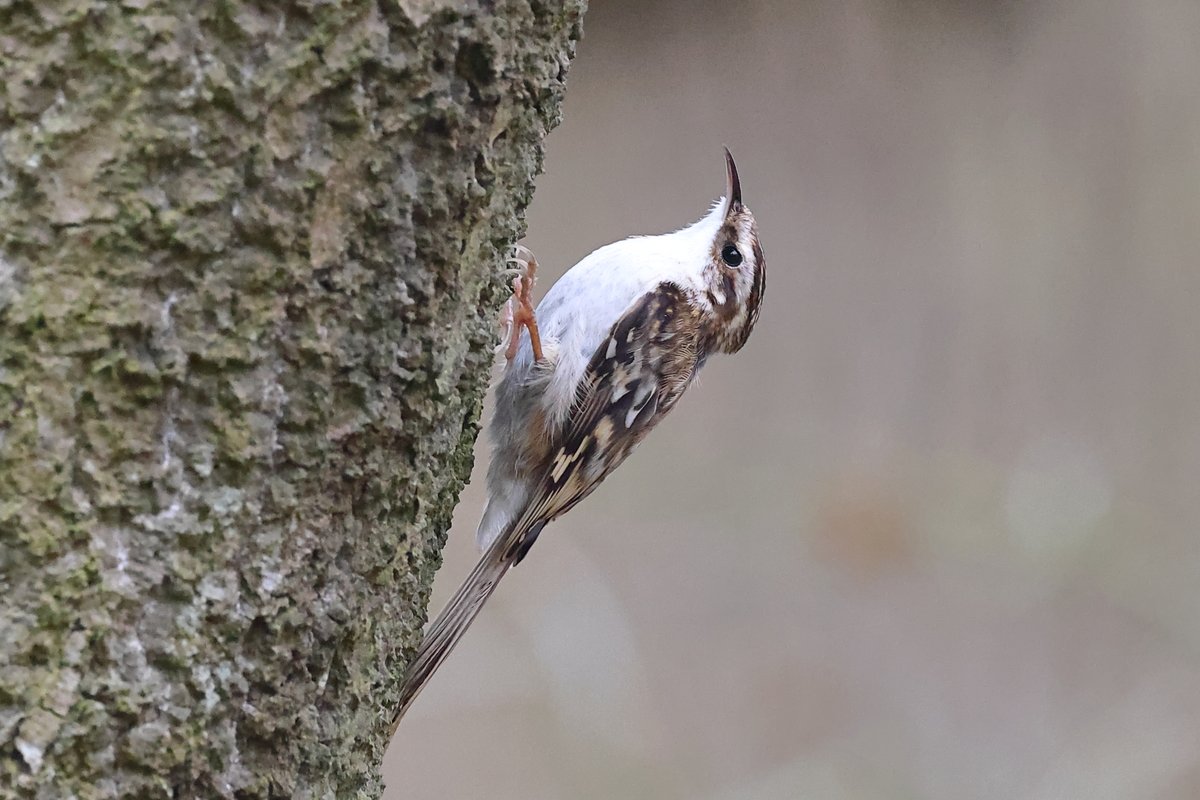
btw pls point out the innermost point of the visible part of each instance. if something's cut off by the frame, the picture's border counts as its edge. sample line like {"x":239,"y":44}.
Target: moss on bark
{"x":249,"y":259}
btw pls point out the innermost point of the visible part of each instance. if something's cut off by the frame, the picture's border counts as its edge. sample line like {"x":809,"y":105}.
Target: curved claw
{"x":507,"y":327}
{"x":518,"y":311}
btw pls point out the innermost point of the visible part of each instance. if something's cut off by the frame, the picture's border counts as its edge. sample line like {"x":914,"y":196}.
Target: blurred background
{"x":933,"y":533}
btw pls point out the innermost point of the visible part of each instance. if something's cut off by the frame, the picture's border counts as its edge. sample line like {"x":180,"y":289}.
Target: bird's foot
{"x":518,"y":311}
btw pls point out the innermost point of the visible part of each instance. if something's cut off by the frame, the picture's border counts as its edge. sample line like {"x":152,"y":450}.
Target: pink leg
{"x":518,"y":311}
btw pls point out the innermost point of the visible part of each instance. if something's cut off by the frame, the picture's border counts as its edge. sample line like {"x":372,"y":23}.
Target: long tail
{"x":458,"y":615}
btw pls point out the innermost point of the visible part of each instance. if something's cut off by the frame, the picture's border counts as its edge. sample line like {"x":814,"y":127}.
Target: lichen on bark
{"x":249,"y":260}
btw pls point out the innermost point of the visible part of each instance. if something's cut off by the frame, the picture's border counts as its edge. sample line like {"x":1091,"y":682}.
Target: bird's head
{"x":736,"y":271}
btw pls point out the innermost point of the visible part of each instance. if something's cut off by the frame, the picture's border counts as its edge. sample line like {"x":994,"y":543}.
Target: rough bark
{"x":249,"y":272}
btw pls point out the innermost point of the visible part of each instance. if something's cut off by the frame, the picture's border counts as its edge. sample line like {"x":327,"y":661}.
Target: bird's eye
{"x":731,"y":255}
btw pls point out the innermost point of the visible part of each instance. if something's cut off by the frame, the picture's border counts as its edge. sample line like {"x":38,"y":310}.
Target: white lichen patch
{"x":169,"y":434}
{"x":8,"y":282}
{"x":111,"y":547}
{"x":164,"y":313}
{"x":270,"y":577}
{"x":203,"y":679}
{"x":274,"y":400}
{"x":225,"y":502}
{"x":174,"y":518}
{"x":217,"y":587}
{"x":133,"y":658}
{"x":235,"y":776}
{"x":32,"y":753}
{"x":41,"y":726}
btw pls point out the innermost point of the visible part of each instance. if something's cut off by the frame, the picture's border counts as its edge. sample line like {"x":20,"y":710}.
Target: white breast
{"x":578,"y":311}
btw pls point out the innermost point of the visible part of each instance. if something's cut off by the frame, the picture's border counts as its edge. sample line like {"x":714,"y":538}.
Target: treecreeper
{"x":608,"y":352}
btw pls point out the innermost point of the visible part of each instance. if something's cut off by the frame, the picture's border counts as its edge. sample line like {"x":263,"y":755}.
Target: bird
{"x":609,"y":351}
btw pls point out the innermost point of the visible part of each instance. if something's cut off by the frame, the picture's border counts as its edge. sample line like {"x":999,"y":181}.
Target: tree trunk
{"x":249,"y":276}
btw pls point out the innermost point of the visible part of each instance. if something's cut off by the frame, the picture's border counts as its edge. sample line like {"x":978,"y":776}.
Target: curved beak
{"x":733,"y":186}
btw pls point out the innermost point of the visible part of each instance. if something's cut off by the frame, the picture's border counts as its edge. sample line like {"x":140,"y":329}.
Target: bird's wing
{"x":634,"y":378}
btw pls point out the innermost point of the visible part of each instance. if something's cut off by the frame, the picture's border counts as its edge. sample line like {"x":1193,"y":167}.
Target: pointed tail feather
{"x":457,"y":616}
